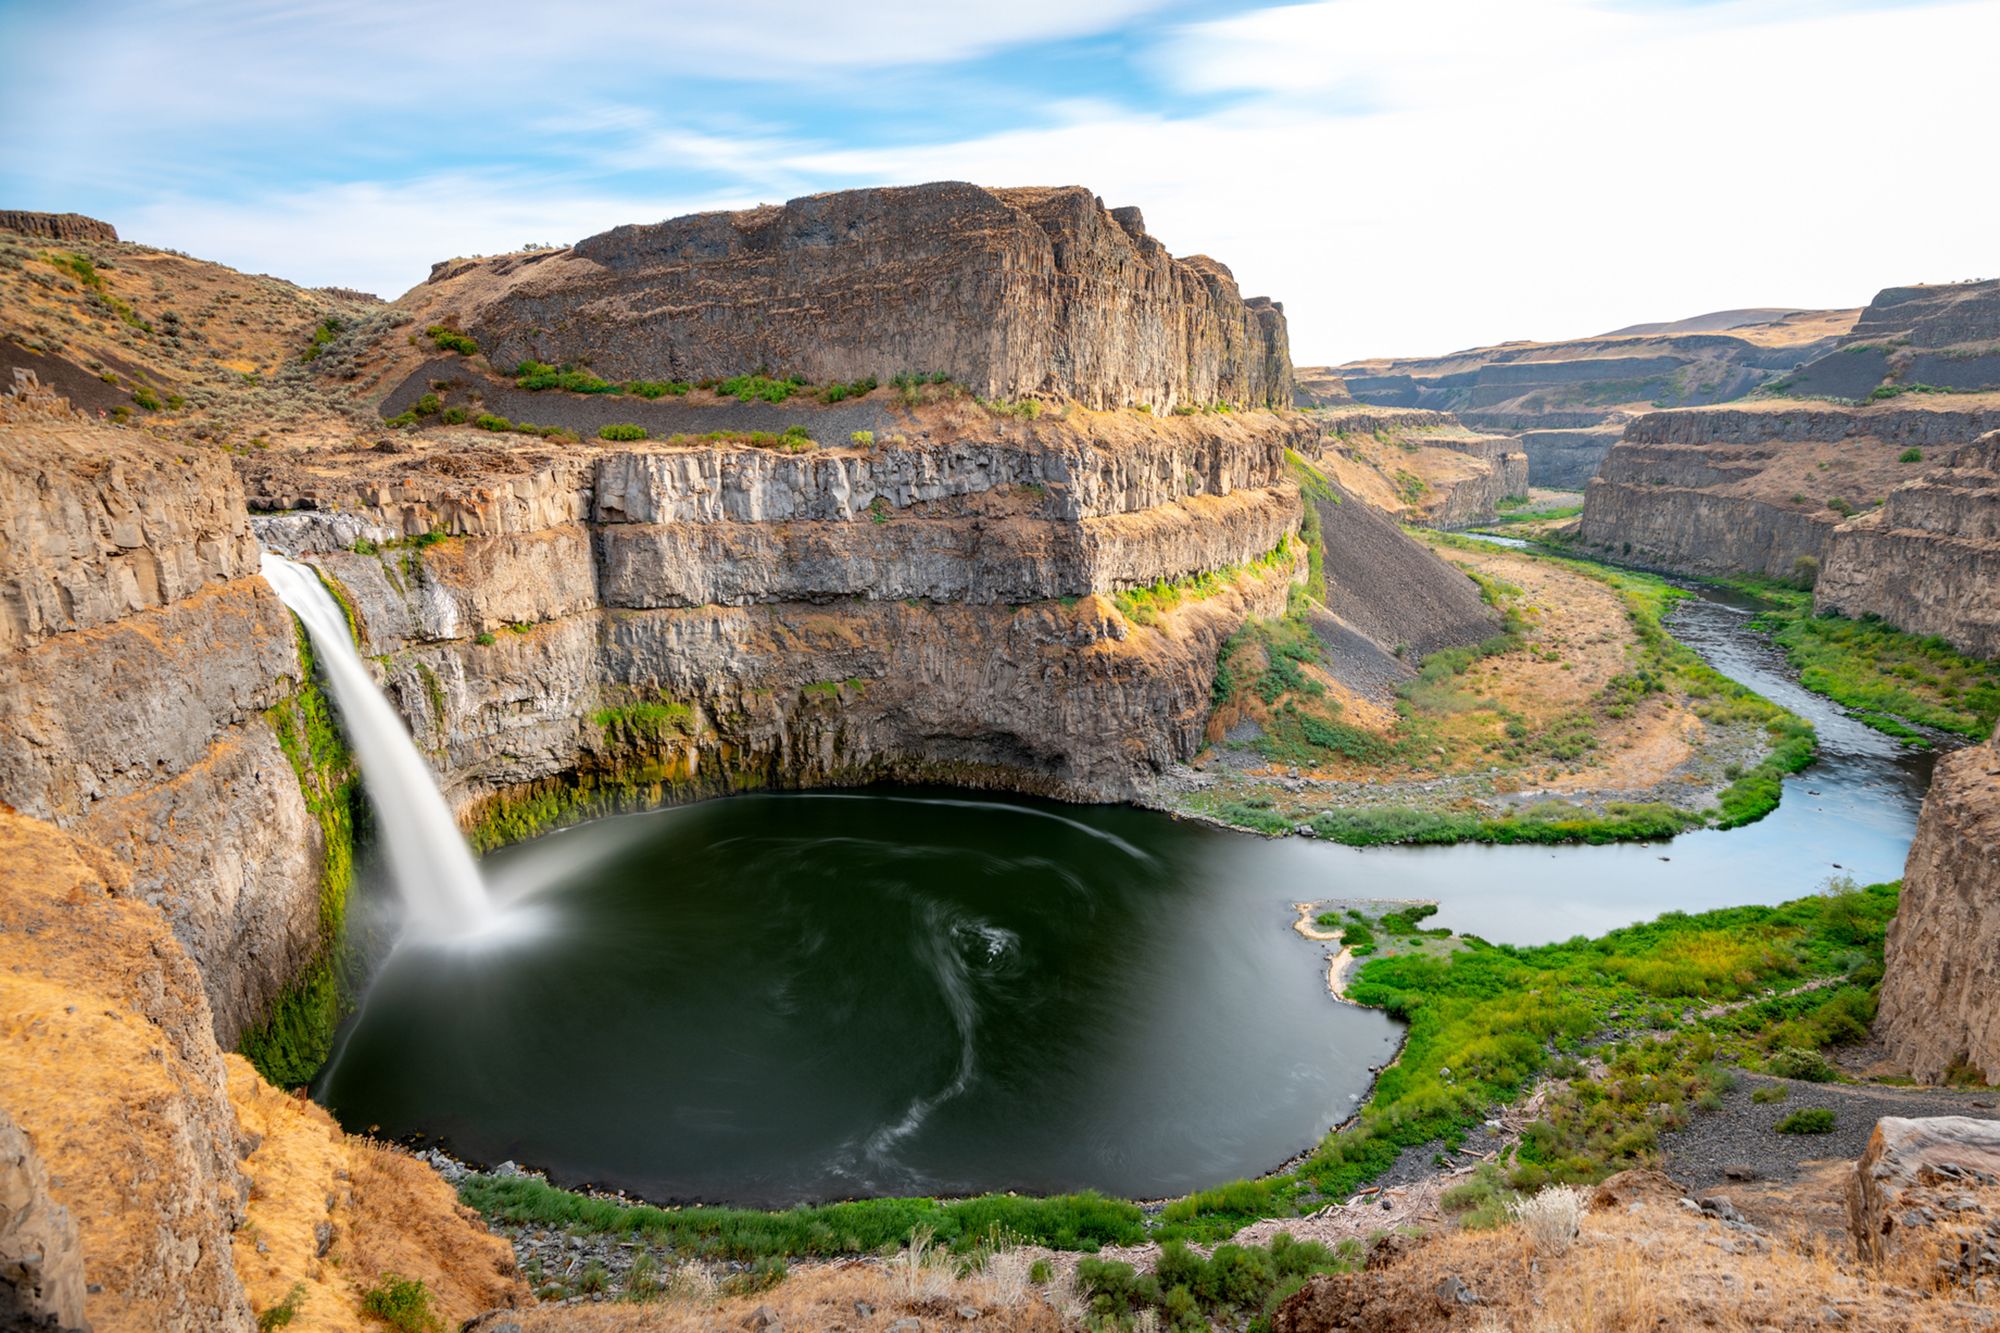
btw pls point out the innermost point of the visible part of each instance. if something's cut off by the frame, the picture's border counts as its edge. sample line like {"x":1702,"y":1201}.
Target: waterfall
{"x":433,"y":869}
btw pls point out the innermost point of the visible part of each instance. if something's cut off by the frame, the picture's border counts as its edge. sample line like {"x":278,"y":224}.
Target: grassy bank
{"x":1442,"y":725}
{"x":1635,"y":1030}
{"x":1893,"y":681}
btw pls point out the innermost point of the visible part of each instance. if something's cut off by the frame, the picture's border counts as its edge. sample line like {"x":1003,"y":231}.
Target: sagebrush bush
{"x":1553,"y":1218}
{"x":1811,"y":1120}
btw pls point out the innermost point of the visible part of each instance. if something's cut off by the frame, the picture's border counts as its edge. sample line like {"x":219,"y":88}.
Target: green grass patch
{"x":1808,"y":1120}
{"x":1066,"y":1222}
{"x":537,"y":376}
{"x":404,"y":1304}
{"x":1145,"y":605}
{"x":447,"y":339}
{"x":621,"y":430}
{"x":1891,"y":680}
{"x":757,"y":388}
{"x":790,"y":440}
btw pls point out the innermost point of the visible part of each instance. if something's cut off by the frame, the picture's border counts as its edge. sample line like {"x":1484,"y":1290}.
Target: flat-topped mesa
{"x":1011,"y":292}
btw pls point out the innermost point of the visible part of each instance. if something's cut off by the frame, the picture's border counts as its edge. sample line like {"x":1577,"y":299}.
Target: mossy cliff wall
{"x":704,"y":619}
{"x":143,"y":667}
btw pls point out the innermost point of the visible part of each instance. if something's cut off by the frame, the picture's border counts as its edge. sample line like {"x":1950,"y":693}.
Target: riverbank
{"x":1583,"y":720}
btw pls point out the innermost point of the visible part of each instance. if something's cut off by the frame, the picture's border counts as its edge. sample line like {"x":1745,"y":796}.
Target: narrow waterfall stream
{"x":432,"y":867}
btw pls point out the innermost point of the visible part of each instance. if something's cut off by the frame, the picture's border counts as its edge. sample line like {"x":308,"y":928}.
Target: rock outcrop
{"x":1010,"y":292}
{"x":139,"y":656}
{"x":1942,"y":960}
{"x":924,"y":611}
{"x":1421,"y":466}
{"x":1931,"y":339}
{"x":1566,"y":460}
{"x":41,"y":1262}
{"x":1759,"y":487}
{"x":1927,"y":1193}
{"x":56,"y":226}
{"x":1927,"y":561}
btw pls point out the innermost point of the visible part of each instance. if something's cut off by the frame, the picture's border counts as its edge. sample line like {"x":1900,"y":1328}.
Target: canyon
{"x":1063,"y":476}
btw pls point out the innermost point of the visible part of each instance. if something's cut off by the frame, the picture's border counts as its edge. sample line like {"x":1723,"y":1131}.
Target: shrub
{"x":284,"y":1312}
{"x":326,"y":332}
{"x":1553,"y":1218}
{"x":863,"y":439}
{"x":836,"y":392}
{"x":147,"y":399}
{"x":1806,"y":1066}
{"x":453,"y":416}
{"x":1910,"y":456}
{"x":1811,"y":1120}
{"x":758,"y":387}
{"x":404,"y":1304}
{"x":1770,"y":1092}
{"x":450,"y":340}
{"x":622,"y":430}
{"x":657,"y":388}
{"x":536,"y":376}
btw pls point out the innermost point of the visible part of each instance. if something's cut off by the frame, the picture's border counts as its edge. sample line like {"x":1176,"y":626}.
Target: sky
{"x":1407,"y":176}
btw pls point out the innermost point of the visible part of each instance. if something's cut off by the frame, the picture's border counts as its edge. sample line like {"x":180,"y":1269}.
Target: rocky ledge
{"x":1012,"y":293}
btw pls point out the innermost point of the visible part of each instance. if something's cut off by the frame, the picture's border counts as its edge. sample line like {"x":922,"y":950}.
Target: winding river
{"x":776,"y":998}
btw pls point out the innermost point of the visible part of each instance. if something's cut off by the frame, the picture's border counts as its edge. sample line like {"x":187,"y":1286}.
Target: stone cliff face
{"x":1756,"y":489}
{"x":57,"y":226}
{"x":1566,"y":460}
{"x":1010,"y":292}
{"x":1421,"y":466}
{"x":681,"y":620}
{"x":1942,"y":963}
{"x":1928,"y":561}
{"x":140,"y":659}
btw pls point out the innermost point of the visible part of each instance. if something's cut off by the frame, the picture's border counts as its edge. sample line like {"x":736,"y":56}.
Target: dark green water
{"x":774,"y":998}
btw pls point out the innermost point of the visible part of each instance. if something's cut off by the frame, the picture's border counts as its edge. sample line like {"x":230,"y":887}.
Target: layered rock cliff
{"x":1927,"y":561}
{"x":1587,"y":381}
{"x":1011,"y":292}
{"x":1420,"y":466}
{"x":1566,"y":460}
{"x":1927,"y":339}
{"x":145,"y":674}
{"x":1942,"y":960}
{"x":56,"y":226}
{"x":672,"y":620}
{"x":1760,"y":487}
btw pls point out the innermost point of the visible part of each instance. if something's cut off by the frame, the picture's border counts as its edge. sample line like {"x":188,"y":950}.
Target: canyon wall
{"x":679,"y":620}
{"x":1420,"y":466}
{"x":143,"y":667}
{"x":1758,"y":488}
{"x":1928,"y":561}
{"x":1010,"y":292}
{"x":1942,"y":963}
{"x":1566,"y":460}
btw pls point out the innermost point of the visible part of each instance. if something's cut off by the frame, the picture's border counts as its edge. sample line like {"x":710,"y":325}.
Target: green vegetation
{"x":1773,"y":1092}
{"x":447,"y":339}
{"x":621,"y":431}
{"x":1187,"y":1291}
{"x":837,"y":392}
{"x":646,"y":722}
{"x":1894,"y":681}
{"x":500,"y":424}
{"x":1887,"y":391}
{"x":913,"y":389}
{"x":758,"y":388}
{"x":404,"y":1304}
{"x":147,"y":399}
{"x":536,"y":376}
{"x":790,"y":440}
{"x":1144,"y":606}
{"x":1911,"y":455}
{"x":284,"y":1312}
{"x":294,"y":1041}
{"x":1811,"y":1120}
{"x":1065,"y":1221}
{"x":327,"y":330}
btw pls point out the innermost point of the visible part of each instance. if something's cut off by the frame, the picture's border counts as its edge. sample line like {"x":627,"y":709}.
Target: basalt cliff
{"x":921,"y":583}
{"x":1009,"y":292}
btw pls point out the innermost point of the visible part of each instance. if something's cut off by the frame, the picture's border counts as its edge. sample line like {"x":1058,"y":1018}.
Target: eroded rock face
{"x":139,"y":652}
{"x":41,"y":1263}
{"x":57,"y":226}
{"x":845,"y":615}
{"x":1929,"y":560}
{"x":1942,"y":960}
{"x":1566,"y":460}
{"x":1756,"y":489}
{"x":1926,"y":1193}
{"x":1010,"y":292}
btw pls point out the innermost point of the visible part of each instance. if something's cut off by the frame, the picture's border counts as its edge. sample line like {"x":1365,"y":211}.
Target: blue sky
{"x":1406,"y":175}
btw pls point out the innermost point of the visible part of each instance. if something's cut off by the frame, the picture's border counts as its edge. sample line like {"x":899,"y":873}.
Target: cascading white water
{"x":432,"y":866}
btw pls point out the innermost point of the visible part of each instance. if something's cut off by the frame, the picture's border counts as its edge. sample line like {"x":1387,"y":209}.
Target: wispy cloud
{"x":1405,"y":176}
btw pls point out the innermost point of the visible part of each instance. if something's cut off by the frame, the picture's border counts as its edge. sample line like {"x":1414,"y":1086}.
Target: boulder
{"x":1927,"y":1192}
